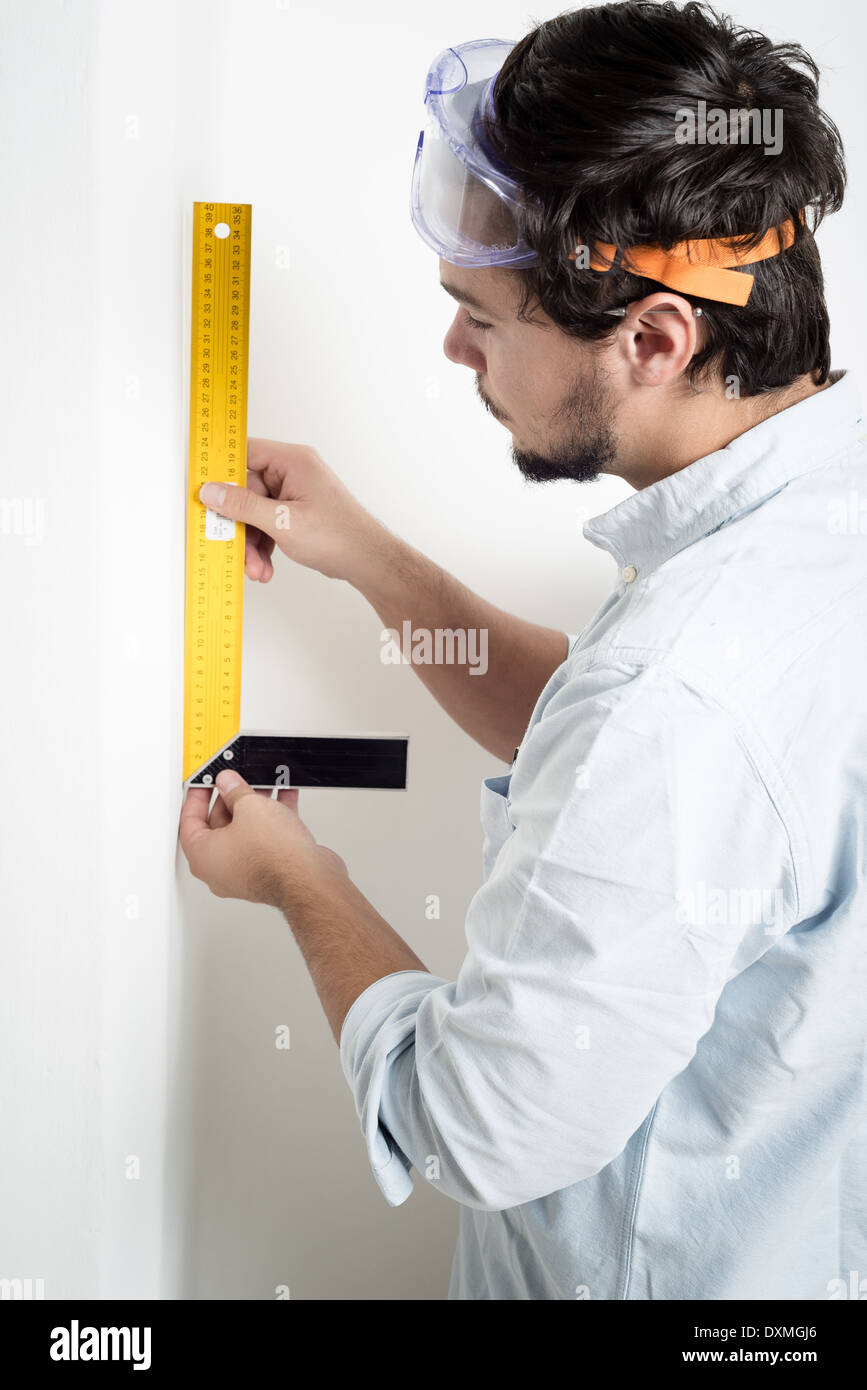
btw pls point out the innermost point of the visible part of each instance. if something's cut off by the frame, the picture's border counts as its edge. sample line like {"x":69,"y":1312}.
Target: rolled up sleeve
{"x":644,"y":863}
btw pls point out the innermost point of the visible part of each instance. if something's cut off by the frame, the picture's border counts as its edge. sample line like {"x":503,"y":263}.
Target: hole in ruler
{"x":221,"y":230}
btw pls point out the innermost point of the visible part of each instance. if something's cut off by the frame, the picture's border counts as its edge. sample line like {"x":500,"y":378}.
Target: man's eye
{"x":474,"y":323}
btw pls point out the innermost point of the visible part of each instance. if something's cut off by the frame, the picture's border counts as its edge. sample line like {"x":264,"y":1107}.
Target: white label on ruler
{"x":219,"y":528}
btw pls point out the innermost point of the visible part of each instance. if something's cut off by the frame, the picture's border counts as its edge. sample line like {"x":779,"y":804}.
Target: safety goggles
{"x":467,"y":207}
{"x":465,"y":204}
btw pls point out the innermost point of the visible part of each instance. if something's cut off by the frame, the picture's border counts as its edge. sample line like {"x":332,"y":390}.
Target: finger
{"x":260,"y":452}
{"x":270,"y":459}
{"x":264,"y":548}
{"x":256,"y":483}
{"x":259,"y":546}
{"x":283,"y":466}
{"x":256,"y":565}
{"x":288,"y":796}
{"x":220,"y":815}
{"x":245,"y":505}
{"x":233,"y":789}
{"x":194,"y":817}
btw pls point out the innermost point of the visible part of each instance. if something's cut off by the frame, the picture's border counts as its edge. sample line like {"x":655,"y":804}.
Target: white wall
{"x":138,"y":1012}
{"x":92,"y":384}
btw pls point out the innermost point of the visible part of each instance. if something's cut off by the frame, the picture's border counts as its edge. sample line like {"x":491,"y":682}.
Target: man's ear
{"x":659,"y":336}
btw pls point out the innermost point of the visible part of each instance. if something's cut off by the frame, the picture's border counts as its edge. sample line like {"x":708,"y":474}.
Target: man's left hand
{"x":253,"y":846}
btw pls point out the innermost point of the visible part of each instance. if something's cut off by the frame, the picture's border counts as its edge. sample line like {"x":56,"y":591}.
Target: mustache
{"x":489,"y":405}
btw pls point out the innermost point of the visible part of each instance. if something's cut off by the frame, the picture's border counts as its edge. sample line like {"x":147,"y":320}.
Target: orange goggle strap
{"x":697,"y":267}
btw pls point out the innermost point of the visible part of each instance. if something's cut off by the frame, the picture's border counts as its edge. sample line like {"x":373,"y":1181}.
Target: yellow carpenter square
{"x":219,"y":353}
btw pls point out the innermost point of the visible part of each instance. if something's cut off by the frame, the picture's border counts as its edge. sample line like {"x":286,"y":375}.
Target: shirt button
{"x":628,"y":573}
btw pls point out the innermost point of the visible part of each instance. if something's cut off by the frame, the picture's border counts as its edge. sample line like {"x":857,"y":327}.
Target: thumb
{"x":242,"y":504}
{"x":232,"y":788}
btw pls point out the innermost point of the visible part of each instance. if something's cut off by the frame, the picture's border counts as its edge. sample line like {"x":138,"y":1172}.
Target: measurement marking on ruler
{"x":219,"y":354}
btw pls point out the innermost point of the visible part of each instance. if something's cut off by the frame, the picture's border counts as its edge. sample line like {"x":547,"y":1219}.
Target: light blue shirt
{"x":648,"y":1080}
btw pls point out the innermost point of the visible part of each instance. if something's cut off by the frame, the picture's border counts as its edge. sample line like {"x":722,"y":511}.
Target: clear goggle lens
{"x":457,"y":213}
{"x":464,"y":204}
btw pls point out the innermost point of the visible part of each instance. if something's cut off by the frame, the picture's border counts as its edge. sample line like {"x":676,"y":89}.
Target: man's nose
{"x":459,"y":349}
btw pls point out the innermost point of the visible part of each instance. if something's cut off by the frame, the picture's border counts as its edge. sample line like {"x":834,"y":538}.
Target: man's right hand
{"x":295,"y":501}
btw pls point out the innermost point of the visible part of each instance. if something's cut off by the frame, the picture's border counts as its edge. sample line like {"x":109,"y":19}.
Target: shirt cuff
{"x":379,"y":1026}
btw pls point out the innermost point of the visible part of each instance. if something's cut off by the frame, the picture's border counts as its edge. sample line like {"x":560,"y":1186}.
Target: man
{"x":647,"y":1080}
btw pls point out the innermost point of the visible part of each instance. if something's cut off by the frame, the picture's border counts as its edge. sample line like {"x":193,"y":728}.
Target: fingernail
{"x":212,"y":494}
{"x":227,"y":780}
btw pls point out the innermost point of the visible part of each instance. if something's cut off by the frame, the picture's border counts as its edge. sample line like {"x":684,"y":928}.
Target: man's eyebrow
{"x":464,"y":297}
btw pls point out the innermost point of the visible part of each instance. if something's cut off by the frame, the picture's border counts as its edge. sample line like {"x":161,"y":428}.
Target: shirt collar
{"x":652,"y":525}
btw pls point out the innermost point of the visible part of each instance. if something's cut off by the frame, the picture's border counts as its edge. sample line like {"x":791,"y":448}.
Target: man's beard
{"x":588,"y":445}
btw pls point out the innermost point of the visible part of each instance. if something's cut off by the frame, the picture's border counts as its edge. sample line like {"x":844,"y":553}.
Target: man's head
{"x":589,"y":117}
{"x":575,"y":409}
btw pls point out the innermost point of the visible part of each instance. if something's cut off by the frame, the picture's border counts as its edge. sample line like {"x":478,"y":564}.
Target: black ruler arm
{"x":304,"y":760}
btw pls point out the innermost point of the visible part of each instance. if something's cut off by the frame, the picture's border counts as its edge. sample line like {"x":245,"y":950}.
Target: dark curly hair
{"x":585,"y":108}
